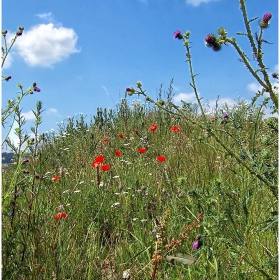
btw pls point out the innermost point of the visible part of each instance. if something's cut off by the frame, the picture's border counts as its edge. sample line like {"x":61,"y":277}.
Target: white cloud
{"x":221,"y":101}
{"x":29,"y":115}
{"x":45,"y":44}
{"x":198,"y":2}
{"x":254,"y":87}
{"x":188,"y":97}
{"x":8,"y":61}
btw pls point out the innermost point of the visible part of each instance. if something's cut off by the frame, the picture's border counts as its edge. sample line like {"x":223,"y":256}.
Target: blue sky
{"x":83,"y":54}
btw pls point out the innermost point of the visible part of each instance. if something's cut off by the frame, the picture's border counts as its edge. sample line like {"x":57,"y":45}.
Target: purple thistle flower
{"x":225,"y":116}
{"x":275,"y":75}
{"x":25,"y":160}
{"x":267,"y":17}
{"x":177,"y":35}
{"x":19,"y":33}
{"x":8,"y":78}
{"x":197,"y":243}
{"x":37,"y":89}
{"x":210,"y":39}
{"x":130,"y":91}
{"x":26,"y":171}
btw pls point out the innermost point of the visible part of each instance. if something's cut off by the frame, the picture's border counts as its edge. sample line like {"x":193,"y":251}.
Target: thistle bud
{"x":187,"y":34}
{"x":25,"y":160}
{"x":160,"y":103}
{"x":222,"y":32}
{"x":210,"y":40}
{"x":217,"y":47}
{"x":197,"y":243}
{"x":275,"y":75}
{"x":130,"y":91}
{"x":267,"y":17}
{"x":263,"y":24}
{"x":21,"y":28}
{"x":4,"y":32}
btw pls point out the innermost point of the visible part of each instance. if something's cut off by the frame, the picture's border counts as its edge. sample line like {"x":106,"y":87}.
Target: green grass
{"x":141,"y":204}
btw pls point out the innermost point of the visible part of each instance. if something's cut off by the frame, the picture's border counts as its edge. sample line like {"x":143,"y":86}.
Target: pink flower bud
{"x":177,"y":35}
{"x":267,"y":17}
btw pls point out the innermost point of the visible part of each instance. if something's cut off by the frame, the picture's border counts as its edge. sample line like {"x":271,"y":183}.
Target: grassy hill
{"x":116,"y":196}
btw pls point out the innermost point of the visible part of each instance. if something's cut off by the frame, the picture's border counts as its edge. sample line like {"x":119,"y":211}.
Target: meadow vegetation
{"x":148,"y":190}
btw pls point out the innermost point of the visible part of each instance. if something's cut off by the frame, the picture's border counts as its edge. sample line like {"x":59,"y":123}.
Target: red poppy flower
{"x":175,"y":128}
{"x":118,"y":153}
{"x":57,"y":216}
{"x":161,"y":158}
{"x":153,"y":127}
{"x":56,"y":178}
{"x":121,"y":135}
{"x":105,"y":167}
{"x":136,"y":131}
{"x":42,"y":269}
{"x":106,"y":140}
{"x":142,"y":150}
{"x":60,"y":215}
{"x":64,"y":215}
{"x":97,"y":161}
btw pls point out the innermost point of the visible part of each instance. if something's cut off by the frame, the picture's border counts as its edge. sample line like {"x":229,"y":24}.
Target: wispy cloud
{"x":51,"y":111}
{"x":29,"y":115}
{"x":198,"y":2}
{"x":46,"y":16}
{"x":46,"y":44}
{"x":187,"y":97}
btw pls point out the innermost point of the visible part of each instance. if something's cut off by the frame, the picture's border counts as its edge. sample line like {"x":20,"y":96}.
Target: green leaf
{"x":185,"y":259}
{"x":253,"y":19}
{"x":242,"y":33}
{"x":263,"y":40}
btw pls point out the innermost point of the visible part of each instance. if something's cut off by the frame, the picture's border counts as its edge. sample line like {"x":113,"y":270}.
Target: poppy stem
{"x":97,"y":176}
